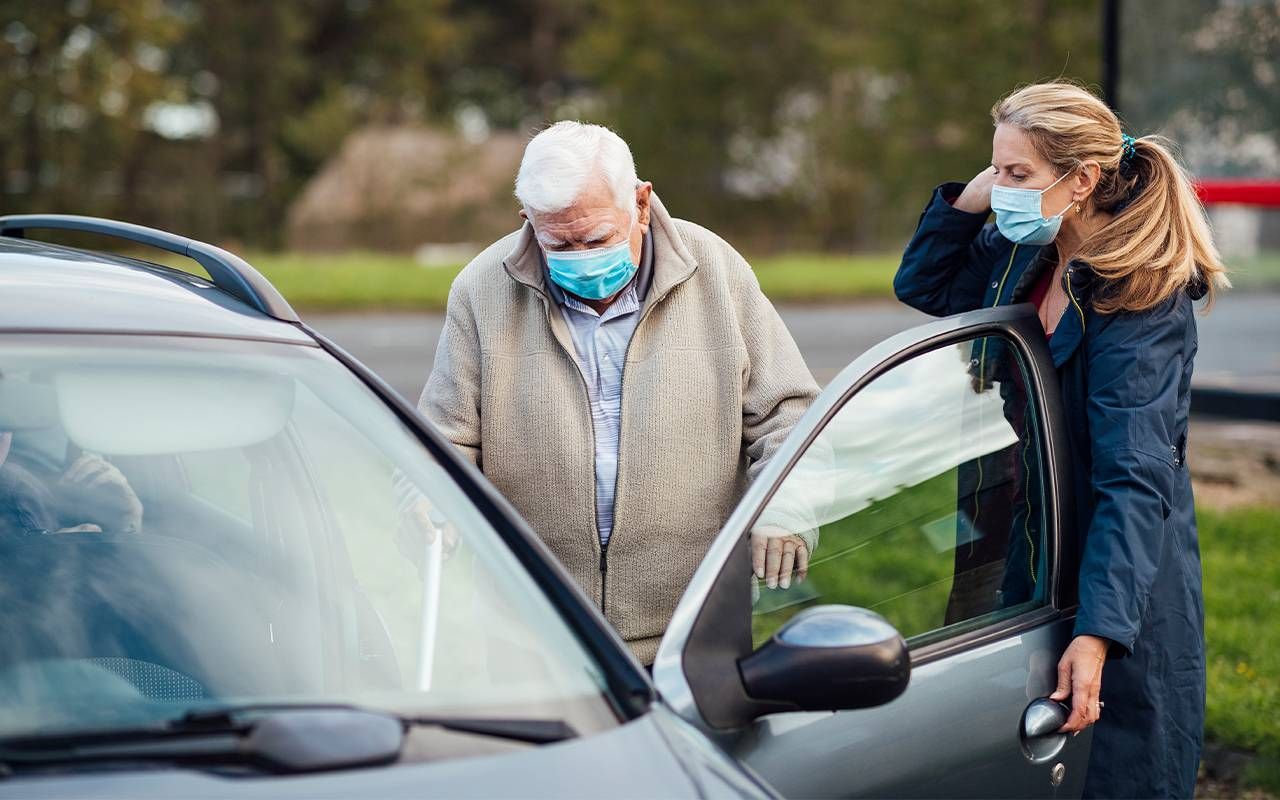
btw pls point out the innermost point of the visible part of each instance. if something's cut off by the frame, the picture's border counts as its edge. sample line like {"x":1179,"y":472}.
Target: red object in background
{"x":1242,"y":192}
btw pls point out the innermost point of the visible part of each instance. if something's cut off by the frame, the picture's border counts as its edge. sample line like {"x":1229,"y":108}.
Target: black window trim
{"x":695,"y":681}
{"x":1048,"y":404}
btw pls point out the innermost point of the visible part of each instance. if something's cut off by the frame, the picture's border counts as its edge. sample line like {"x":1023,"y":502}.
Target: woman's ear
{"x":1086,"y":180}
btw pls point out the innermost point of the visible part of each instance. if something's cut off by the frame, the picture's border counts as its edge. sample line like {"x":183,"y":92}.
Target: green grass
{"x":383,"y":281}
{"x":1241,"y":554}
{"x":1262,"y":272}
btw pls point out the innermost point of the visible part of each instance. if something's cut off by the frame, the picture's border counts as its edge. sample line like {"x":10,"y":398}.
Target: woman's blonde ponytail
{"x":1157,"y":241}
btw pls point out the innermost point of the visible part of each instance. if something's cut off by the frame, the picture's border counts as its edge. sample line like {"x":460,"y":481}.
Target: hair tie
{"x":1127,"y":148}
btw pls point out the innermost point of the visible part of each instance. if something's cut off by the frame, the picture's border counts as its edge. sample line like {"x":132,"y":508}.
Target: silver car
{"x":234,"y":563}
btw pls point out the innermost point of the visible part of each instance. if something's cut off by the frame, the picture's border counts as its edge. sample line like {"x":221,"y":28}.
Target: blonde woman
{"x":1104,"y":233}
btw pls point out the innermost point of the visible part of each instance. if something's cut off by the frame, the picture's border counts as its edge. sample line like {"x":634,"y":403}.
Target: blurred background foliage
{"x":814,"y":126}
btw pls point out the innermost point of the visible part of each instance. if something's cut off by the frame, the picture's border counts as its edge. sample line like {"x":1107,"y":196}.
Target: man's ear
{"x":643,"y":191}
{"x":523,"y":215}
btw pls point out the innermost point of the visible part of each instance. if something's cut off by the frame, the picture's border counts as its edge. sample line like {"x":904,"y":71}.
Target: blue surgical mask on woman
{"x":593,"y":274}
{"x":1020,"y":216}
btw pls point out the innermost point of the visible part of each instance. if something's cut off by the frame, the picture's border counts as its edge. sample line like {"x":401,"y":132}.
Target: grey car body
{"x":820,"y":707}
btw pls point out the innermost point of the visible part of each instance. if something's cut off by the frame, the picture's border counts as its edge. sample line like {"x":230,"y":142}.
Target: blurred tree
{"x":819,"y":124}
{"x":1220,"y":98}
{"x":782,"y":124}
{"x":290,"y":80}
{"x":78,"y":81}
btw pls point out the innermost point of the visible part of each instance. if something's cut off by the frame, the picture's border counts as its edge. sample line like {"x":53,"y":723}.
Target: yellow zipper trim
{"x":1026,"y":521}
{"x":1007,"y":269}
{"x":982,"y":360}
{"x":982,"y":371}
{"x":1080,"y":311}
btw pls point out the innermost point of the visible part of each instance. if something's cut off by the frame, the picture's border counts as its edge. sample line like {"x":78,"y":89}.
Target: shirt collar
{"x":626,"y":302}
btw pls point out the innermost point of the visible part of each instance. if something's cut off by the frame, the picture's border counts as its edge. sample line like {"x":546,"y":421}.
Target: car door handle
{"x":1038,"y":729}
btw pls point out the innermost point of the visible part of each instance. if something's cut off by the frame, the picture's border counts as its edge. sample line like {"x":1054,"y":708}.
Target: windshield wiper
{"x":282,"y":738}
{"x":533,"y":731}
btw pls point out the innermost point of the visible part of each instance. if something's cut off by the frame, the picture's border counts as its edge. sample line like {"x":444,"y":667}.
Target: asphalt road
{"x":1239,"y":339}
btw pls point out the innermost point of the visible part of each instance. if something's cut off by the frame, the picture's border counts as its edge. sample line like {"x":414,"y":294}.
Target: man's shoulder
{"x":717,"y":259}
{"x":486,"y":270}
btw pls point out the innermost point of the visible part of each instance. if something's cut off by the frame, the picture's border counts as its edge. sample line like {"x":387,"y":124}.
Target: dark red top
{"x":1040,"y":290}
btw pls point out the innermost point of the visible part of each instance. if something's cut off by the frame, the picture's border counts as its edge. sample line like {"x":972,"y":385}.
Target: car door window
{"x":925,"y":490}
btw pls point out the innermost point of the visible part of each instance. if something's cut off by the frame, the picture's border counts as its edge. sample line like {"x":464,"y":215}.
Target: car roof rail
{"x":229,"y":272}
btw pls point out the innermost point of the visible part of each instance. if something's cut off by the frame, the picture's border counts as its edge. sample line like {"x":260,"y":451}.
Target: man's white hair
{"x":560,"y":161}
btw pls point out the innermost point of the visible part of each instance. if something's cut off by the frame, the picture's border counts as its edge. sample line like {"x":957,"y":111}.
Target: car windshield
{"x":189,"y":523}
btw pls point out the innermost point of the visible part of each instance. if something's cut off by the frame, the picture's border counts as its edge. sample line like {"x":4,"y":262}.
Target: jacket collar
{"x":672,"y":261}
{"x":1026,"y":270}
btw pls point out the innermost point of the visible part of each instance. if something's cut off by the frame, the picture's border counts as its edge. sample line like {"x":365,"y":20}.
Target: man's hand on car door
{"x":776,"y":555}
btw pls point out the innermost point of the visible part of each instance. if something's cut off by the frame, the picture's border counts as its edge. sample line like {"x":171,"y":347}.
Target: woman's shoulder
{"x":1168,"y":324}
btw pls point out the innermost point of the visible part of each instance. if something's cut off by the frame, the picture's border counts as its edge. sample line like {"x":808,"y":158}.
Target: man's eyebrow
{"x":548,"y":240}
{"x":602,"y":231}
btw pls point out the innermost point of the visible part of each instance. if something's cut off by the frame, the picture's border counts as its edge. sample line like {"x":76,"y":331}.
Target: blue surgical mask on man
{"x":1020,"y":215}
{"x":593,"y":274}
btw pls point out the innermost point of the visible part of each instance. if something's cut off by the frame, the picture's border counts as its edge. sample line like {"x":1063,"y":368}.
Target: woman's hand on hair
{"x":976,"y":197}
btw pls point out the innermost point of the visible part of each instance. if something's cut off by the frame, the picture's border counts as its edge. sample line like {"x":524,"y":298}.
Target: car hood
{"x":657,"y":755}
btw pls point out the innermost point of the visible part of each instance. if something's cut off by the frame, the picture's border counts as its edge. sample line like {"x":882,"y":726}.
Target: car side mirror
{"x":829,"y":658}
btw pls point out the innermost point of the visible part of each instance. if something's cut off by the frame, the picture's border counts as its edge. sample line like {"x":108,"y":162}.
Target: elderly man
{"x":618,"y":375}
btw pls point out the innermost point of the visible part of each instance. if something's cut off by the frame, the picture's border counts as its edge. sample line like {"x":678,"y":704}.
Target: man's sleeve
{"x":451,"y":397}
{"x":777,"y":385}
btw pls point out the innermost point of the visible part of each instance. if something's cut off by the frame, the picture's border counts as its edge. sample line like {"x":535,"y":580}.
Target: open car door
{"x":934,"y":470}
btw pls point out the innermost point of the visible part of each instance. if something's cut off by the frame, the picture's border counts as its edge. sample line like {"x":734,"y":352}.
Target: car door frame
{"x":688,"y":649}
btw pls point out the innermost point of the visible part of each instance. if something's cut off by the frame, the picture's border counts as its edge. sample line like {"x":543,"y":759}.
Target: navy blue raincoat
{"x":1125,"y":381}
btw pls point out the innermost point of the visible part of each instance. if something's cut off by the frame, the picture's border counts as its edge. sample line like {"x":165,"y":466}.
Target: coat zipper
{"x":622,"y":392}
{"x":1066,"y":283}
{"x":982,"y":371}
{"x":604,"y":574}
{"x":644,"y":314}
{"x":595,"y":511}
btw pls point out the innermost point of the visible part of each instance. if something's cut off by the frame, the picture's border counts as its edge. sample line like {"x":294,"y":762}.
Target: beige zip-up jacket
{"x":712,"y":384}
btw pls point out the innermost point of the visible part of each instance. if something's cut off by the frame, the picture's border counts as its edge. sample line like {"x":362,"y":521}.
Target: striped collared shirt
{"x":601,"y":343}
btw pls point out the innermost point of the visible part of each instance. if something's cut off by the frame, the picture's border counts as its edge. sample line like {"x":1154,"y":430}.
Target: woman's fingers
{"x":1095,"y":694}
{"x":1080,"y":674}
{"x":1080,"y":694}
{"x":1063,"y":691}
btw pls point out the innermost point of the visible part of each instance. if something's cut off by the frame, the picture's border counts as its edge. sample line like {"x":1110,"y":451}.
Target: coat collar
{"x":672,"y":262}
{"x":1071,"y":328}
{"x":1025,"y":270}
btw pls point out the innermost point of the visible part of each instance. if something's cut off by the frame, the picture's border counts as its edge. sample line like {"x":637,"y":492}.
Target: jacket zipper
{"x":1066,"y":283}
{"x":604,"y":574}
{"x":982,"y":361}
{"x":982,"y":371}
{"x":622,"y":392}
{"x":595,"y":511}
{"x":604,"y":546}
